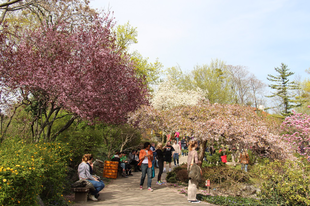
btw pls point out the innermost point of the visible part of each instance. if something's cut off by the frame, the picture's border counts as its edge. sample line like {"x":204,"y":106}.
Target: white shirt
{"x":146,"y":159}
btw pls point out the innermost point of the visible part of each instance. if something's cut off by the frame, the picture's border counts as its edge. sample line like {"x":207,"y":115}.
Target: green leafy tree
{"x":284,"y":89}
{"x":126,"y":35}
{"x":213,"y":79}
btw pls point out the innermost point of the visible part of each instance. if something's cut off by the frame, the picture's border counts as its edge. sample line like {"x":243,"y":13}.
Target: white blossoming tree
{"x":168,"y":96}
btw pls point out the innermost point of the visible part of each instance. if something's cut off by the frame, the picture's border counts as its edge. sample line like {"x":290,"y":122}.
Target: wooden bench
{"x":81,"y":194}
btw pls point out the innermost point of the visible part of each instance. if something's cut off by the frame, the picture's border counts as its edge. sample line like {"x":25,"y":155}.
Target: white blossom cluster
{"x":168,"y":96}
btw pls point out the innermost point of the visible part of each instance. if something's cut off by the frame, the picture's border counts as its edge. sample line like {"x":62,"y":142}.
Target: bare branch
{"x":9,"y":3}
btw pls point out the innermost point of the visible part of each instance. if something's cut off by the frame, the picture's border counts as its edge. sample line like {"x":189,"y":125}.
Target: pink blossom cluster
{"x":228,"y":124}
{"x":296,"y":131}
{"x":82,"y":70}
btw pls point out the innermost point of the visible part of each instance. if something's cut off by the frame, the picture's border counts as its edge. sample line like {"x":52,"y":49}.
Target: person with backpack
{"x":183,"y":145}
{"x":192,"y":183}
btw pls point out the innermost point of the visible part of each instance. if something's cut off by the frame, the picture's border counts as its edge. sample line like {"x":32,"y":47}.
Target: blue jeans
{"x":245,"y":167}
{"x":146,"y":170}
{"x":123,"y":165}
{"x":98,"y":186}
{"x":176,"y":158}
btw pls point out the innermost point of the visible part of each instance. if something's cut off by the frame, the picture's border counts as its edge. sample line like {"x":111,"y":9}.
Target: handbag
{"x":194,"y":172}
{"x":153,"y":172}
{"x":83,"y":183}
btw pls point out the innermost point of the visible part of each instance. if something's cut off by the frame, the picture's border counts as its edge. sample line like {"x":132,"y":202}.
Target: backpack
{"x":194,"y":172}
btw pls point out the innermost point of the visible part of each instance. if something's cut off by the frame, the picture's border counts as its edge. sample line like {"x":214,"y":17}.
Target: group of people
{"x":148,"y":157}
{"x":165,"y":154}
{"x":145,"y":160}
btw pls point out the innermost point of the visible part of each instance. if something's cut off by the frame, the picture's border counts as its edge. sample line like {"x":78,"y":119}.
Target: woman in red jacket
{"x":146,"y":157}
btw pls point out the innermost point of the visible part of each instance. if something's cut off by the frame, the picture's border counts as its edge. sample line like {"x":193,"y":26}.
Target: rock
{"x":39,"y":201}
{"x":99,"y":163}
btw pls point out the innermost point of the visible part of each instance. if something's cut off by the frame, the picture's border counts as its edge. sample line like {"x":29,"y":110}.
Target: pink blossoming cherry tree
{"x":81,"y":71}
{"x":226,"y":124}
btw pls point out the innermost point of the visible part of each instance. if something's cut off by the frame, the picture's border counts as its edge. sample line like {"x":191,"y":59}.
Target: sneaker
{"x":92,"y":197}
{"x":169,"y":169}
{"x":158,"y":183}
{"x":195,"y":201}
{"x":141,"y":187}
{"x":164,"y":169}
{"x":150,"y":189}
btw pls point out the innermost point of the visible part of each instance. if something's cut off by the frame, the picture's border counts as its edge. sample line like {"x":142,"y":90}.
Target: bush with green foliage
{"x":101,"y":140}
{"x":28,"y":170}
{"x":178,"y":174}
{"x":286,"y":183}
{"x":225,"y":173}
{"x":212,"y":160}
{"x":171,"y":177}
{"x":252,"y":157}
{"x":229,"y":200}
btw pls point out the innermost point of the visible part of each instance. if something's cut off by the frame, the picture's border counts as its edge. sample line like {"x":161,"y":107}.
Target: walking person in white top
{"x":176,"y":152}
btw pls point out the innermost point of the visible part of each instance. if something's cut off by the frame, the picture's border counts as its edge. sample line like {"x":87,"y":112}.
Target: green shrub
{"x":185,"y":151}
{"x":252,"y":157}
{"x":171,"y":177}
{"x":29,"y":170}
{"x":286,"y":183}
{"x":229,"y":200}
{"x":213,"y":160}
{"x":229,"y":158}
{"x":172,"y":180}
{"x":225,"y":173}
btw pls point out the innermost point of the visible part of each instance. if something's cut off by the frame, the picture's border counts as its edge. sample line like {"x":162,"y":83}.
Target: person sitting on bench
{"x":122,"y":168}
{"x":125,"y":164}
{"x":84,"y":174}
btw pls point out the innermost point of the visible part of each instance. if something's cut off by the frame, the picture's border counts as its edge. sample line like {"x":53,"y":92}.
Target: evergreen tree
{"x":283,"y":89}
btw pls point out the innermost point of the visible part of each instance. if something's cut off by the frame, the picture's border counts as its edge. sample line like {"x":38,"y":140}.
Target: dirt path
{"x":126,"y":191}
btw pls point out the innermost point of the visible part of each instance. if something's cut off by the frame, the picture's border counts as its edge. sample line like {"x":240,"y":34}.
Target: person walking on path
{"x":168,"y":149}
{"x":146,"y":157}
{"x":177,"y":135}
{"x":84,"y":174}
{"x":244,"y":160}
{"x":176,"y":153}
{"x":192,"y":184}
{"x":160,"y":158}
{"x":183,"y":145}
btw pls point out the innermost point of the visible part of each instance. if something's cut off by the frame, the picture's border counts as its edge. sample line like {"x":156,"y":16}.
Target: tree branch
{"x":64,"y":127}
{"x":9,"y":3}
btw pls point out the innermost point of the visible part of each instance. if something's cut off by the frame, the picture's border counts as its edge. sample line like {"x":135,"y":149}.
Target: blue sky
{"x":257,"y":34}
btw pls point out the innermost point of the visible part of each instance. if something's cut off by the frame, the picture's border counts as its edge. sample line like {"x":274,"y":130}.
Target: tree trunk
{"x":202,"y":149}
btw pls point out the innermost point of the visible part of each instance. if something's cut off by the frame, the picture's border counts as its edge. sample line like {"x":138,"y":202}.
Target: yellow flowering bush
{"x":285,"y":183}
{"x":28,"y":170}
